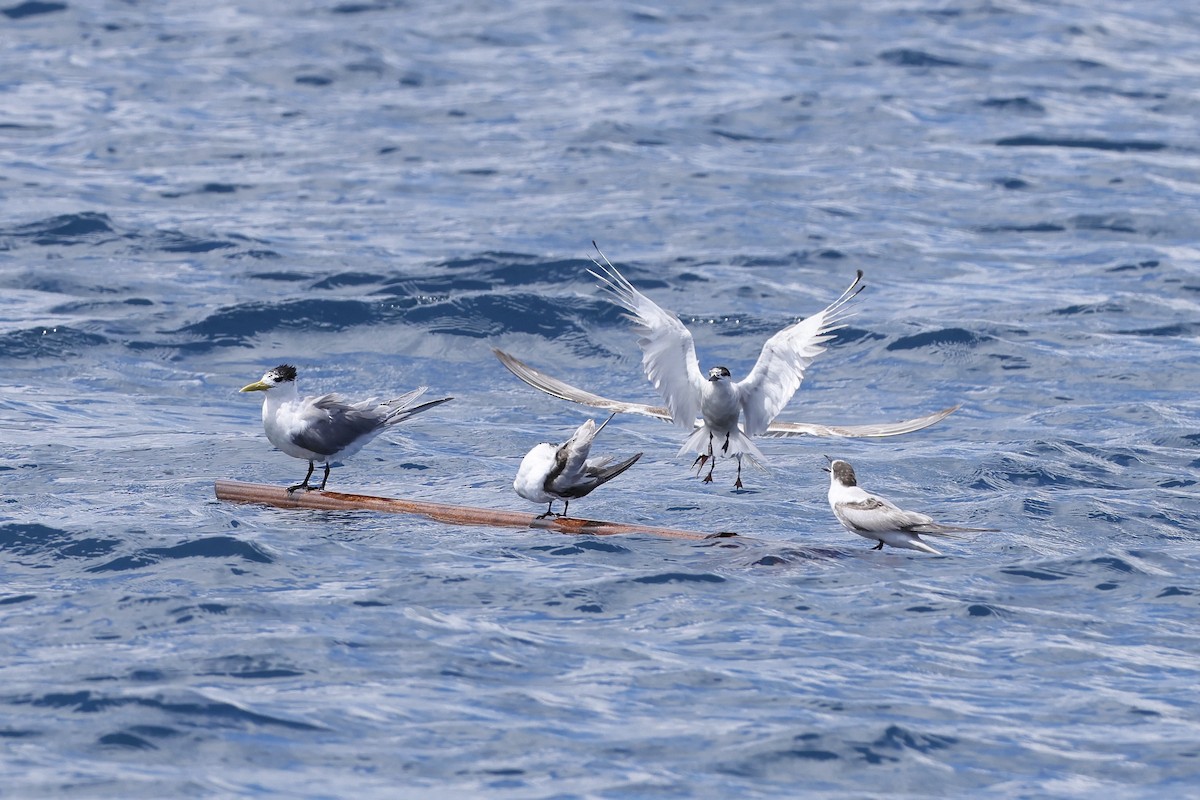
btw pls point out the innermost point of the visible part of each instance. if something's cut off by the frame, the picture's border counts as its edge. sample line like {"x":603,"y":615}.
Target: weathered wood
{"x":280,"y":497}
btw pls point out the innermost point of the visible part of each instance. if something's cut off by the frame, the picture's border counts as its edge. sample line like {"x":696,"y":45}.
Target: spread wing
{"x":668,"y":352}
{"x":780,"y":367}
{"x":781,"y":430}
{"x":565,"y":391}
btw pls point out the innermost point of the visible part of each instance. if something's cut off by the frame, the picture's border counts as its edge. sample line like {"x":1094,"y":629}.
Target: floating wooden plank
{"x":280,"y":497}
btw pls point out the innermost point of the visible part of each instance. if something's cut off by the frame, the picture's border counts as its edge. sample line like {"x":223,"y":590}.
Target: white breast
{"x":719,"y":405}
{"x":531,"y":475}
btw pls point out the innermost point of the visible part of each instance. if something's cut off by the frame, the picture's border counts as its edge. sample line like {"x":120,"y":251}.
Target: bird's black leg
{"x":304,"y":483}
{"x":725,"y":447}
{"x":566,"y":505}
{"x":549,"y":511}
{"x":878,"y":546}
{"x":738,"y":483}
{"x":703,"y":457}
{"x":323,"y":480}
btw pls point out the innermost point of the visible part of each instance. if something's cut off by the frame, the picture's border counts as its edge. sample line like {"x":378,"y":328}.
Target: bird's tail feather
{"x":599,"y":473}
{"x":739,"y":443}
{"x":402,"y":413}
{"x":917,"y":544}
{"x":604,"y":474}
{"x":937,"y":529}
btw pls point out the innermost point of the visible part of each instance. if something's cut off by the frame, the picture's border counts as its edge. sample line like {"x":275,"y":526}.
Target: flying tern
{"x":325,"y":428}
{"x":776,"y":430}
{"x":878,"y":518}
{"x":552,"y":472}
{"x":731,"y":411}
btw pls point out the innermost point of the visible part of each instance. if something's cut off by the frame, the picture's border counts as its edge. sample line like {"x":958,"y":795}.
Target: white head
{"x":284,"y":374}
{"x":717,"y":373}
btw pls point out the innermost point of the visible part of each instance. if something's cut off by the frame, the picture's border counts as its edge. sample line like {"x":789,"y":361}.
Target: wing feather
{"x":780,"y":367}
{"x":330,"y":424}
{"x":878,"y":515}
{"x":778,"y":429}
{"x":874,"y":430}
{"x":668,"y":351}
{"x":565,"y":391}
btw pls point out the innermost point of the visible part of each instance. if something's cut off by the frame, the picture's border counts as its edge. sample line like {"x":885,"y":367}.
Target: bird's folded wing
{"x":565,"y":391}
{"x":878,"y":515}
{"x":327,"y":425}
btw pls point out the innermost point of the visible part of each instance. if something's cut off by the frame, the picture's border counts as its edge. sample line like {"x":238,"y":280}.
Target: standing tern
{"x":552,"y":472}
{"x":325,"y":428}
{"x":878,"y":518}
{"x":669,"y":361}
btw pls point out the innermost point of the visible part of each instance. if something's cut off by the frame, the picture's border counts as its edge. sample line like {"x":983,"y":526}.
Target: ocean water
{"x":380,"y":192}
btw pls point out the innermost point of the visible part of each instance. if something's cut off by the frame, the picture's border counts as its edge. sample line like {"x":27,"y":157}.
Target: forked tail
{"x":606,"y":474}
{"x":401,"y":414}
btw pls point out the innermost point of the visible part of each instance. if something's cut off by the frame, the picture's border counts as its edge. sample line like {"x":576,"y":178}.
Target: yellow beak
{"x":257,"y":386}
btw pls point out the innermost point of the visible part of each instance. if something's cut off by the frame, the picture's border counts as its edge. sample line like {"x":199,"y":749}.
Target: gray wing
{"x":784,"y":430}
{"x":332,"y":424}
{"x":597,"y":474}
{"x":938,"y":529}
{"x":874,"y":514}
{"x":565,"y":391}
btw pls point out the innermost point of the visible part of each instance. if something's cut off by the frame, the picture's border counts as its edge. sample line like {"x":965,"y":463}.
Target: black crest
{"x":284,"y":372}
{"x":724,"y":371}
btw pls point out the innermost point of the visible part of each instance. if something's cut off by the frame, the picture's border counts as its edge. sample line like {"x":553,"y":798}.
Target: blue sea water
{"x":382,"y":191}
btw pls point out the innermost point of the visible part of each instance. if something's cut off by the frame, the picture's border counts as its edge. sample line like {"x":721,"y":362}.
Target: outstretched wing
{"x":780,"y":367}
{"x":875,"y":430}
{"x":565,"y":391}
{"x":668,"y":352}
